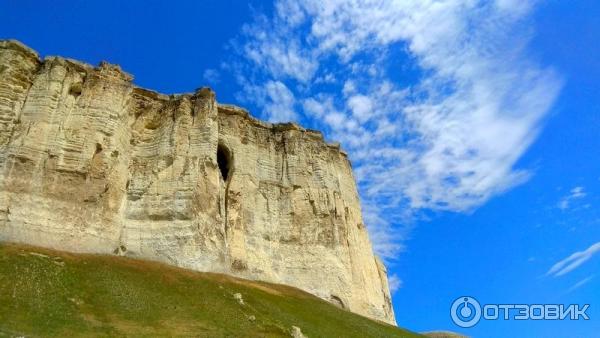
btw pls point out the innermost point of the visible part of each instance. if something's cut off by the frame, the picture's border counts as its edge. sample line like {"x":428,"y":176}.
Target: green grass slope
{"x":49,"y":293}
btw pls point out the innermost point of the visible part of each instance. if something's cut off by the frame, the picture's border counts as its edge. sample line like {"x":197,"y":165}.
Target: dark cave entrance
{"x":224,"y":161}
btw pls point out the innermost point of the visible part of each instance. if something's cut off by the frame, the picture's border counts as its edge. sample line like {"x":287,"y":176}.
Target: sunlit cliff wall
{"x":91,"y":163}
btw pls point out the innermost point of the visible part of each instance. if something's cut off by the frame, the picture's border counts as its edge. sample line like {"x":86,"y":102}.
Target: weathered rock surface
{"x":91,"y":163}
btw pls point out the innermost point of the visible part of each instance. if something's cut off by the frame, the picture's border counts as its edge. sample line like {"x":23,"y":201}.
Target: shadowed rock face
{"x":91,"y":163}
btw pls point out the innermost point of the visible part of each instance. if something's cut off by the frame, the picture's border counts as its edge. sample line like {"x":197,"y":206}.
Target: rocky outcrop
{"x":91,"y":163}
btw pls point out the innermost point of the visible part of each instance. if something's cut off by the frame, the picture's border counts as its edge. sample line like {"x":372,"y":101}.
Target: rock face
{"x":91,"y":163}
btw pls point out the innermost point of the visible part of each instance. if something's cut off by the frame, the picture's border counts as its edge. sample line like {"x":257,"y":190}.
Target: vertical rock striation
{"x":91,"y":163}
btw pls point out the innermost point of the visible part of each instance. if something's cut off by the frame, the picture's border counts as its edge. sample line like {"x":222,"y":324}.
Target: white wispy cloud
{"x":580,"y":284}
{"x":446,"y":140}
{"x":573,"y":261}
{"x":280,"y":102}
{"x":212,"y":76}
{"x":574,"y":194}
{"x":395,"y":283}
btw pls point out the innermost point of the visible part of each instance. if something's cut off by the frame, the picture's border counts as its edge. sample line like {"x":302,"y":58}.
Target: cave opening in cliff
{"x":224,"y":161}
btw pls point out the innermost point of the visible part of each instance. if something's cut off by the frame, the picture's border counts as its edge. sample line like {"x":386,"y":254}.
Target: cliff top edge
{"x":228,"y":109}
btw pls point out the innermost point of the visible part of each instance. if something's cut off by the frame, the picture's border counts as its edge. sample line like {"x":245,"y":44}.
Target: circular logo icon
{"x":465,"y":311}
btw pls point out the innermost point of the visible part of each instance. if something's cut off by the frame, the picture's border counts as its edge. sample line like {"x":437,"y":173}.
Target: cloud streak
{"x":395,"y":283}
{"x":580,"y":284}
{"x":575,"y":194}
{"x":447,"y":139}
{"x":573,"y":261}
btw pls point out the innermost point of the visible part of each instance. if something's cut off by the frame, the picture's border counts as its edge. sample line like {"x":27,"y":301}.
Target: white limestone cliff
{"x":91,"y":163}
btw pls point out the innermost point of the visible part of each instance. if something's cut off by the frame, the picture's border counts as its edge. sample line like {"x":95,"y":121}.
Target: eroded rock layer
{"x":91,"y":163}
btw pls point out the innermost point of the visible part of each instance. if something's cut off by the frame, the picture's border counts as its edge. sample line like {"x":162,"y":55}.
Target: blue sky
{"x":472,"y":126}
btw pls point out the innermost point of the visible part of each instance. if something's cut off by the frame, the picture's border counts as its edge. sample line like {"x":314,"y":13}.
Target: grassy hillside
{"x":49,"y":293}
